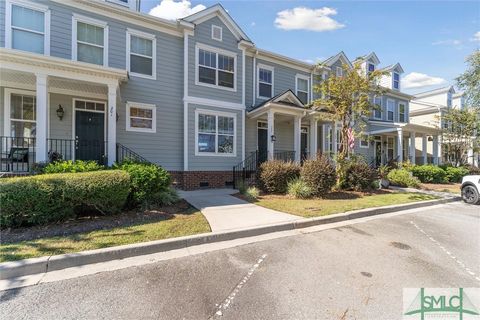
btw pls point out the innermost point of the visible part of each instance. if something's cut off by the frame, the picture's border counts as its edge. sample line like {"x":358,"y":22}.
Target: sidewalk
{"x":226,"y":212}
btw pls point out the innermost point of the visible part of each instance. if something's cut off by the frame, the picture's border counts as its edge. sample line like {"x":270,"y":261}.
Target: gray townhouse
{"x":99,"y":80}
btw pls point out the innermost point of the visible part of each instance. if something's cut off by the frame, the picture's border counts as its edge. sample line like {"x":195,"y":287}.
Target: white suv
{"x":471,"y":189}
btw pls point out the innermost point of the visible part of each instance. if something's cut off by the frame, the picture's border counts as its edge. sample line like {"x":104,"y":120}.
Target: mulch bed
{"x":93,"y":223}
{"x":335,"y":195}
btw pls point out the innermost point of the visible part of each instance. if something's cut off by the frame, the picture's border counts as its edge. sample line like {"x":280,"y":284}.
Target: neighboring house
{"x":100,"y":80}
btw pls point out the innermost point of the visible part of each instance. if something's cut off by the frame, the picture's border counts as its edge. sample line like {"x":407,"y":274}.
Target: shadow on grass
{"x":341,"y":195}
{"x":420,"y":197}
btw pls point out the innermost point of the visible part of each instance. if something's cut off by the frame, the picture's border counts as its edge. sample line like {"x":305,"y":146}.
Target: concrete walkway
{"x":226,"y":212}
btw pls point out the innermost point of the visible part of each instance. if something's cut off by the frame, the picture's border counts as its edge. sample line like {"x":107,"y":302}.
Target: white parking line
{"x":459,"y":262}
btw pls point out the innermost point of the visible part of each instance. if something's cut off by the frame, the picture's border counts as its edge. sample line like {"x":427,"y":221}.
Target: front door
{"x":262,"y":141}
{"x":378,"y":153}
{"x":89,"y":135}
{"x":304,"y":144}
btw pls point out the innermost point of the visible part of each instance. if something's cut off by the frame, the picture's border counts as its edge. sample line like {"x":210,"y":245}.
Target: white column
{"x":440,"y":140}
{"x":435,"y":149}
{"x":412,"y":147}
{"x":324,"y":139}
{"x":400,"y":145}
{"x":334,"y":139}
{"x":42,"y":114}
{"x":470,"y":156}
{"x":424,"y":148}
{"x":313,"y":138}
{"x":271,"y":132}
{"x":297,"y":134}
{"x":112,"y":124}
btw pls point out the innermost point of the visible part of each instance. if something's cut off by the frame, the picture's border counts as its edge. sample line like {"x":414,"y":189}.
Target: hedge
{"x":402,"y":178}
{"x":56,"y":197}
{"x":429,"y":174}
{"x":274,"y":175}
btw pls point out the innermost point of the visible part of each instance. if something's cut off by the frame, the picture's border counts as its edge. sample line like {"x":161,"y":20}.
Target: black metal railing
{"x":17,"y":154}
{"x":77,"y":149}
{"x":125,"y":153}
{"x":284,"y":155}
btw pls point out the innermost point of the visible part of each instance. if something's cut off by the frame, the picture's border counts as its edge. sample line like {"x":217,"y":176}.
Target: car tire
{"x":470,"y":195}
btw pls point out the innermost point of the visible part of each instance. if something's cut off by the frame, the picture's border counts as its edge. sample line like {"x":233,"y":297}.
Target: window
{"x":401,"y":112}
{"x":141,"y":52}
{"x":265,"y":81}
{"x":141,"y":117}
{"x":364,"y":142}
{"x":377,"y":113}
{"x":90,"y":40}
{"x":396,"y":81}
{"x":23,"y":111}
{"x":390,"y":107}
{"x":390,"y":148}
{"x":216,"y":68}
{"x":27,"y":27}
{"x":302,"y":88}
{"x":339,"y":71}
{"x":215,"y":133}
{"x":89,"y":105}
{"x":216,"y":33}
{"x":371,"y":67}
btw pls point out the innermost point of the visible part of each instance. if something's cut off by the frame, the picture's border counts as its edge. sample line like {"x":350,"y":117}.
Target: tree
{"x":347,"y":99}
{"x":469,"y":81}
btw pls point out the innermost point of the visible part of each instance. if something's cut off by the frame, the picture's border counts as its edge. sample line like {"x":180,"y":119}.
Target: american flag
{"x":351,"y":138}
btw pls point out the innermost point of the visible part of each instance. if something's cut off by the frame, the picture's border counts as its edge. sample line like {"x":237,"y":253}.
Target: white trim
{"x":185,"y":103}
{"x":138,"y":105}
{"x":381,"y":108}
{"x":392,"y":110}
{"x":214,"y":103}
{"x":260,"y":128}
{"x":337,"y":73}
{"x":303,"y":77}
{"x":393,"y":80}
{"x":87,"y":20}
{"x":243,"y":78}
{"x":147,"y":36}
{"x":122,"y":3}
{"x":216,"y":114}
{"x":272,"y":57}
{"x":404,"y":111}
{"x":32,"y":6}
{"x":214,"y":27}
{"x":6,"y":112}
{"x":217,"y":51}
{"x":265,"y":67}
{"x":243,"y":135}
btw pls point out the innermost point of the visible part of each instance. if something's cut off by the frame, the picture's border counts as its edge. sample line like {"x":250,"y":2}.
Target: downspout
{"x":254,"y":76}
{"x":185,"y":103}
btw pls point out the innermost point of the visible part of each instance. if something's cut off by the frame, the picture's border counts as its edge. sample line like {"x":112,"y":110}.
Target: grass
{"x":337,"y":202}
{"x":186,"y":223}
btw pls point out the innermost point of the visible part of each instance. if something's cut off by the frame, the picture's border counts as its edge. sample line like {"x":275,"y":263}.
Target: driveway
{"x":355,"y":271}
{"x":226,"y":212}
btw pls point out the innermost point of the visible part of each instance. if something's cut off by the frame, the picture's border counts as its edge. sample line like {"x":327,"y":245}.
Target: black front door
{"x":262,"y":140}
{"x":378,"y":153}
{"x":89,"y":136}
{"x":303,"y":145}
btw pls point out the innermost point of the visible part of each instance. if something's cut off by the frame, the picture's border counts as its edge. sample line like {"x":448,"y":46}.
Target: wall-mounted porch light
{"x":60,"y":112}
{"x":273,"y":138}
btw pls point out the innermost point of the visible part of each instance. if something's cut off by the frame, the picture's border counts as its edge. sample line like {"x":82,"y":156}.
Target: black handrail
{"x":17,"y":154}
{"x":124,"y":153}
{"x":77,"y":149}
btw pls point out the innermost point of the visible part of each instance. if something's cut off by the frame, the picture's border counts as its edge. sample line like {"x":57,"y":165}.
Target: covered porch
{"x":61,"y":110}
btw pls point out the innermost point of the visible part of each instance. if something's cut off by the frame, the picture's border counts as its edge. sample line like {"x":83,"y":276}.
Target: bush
{"x":455,"y":174}
{"x":472,"y":169}
{"x":357,"y":175}
{"x":402,"y":178}
{"x":299,"y":189}
{"x":72,"y":166}
{"x":56,"y":197}
{"x":275,"y":175}
{"x":146,"y":180}
{"x":429,"y":173}
{"x":251,"y":193}
{"x":319,"y":175}
{"x":165,"y":197}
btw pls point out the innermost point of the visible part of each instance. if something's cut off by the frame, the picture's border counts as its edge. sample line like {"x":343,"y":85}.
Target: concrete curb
{"x":14,"y":269}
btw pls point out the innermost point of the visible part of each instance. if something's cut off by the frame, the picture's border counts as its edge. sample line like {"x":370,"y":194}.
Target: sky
{"x":430,"y":39}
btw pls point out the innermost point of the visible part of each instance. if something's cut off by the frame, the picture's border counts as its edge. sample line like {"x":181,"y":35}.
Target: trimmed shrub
{"x":275,"y":175}
{"x":429,"y":173}
{"x":165,"y":197}
{"x":56,"y":197}
{"x":319,"y":175}
{"x":455,"y":174}
{"x":299,"y":189}
{"x":357,"y":175}
{"x":402,"y":178}
{"x":72,"y":166}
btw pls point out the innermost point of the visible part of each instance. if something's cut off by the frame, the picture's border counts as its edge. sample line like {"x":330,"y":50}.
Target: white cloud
{"x":476,"y":37}
{"x":173,"y":10}
{"x":302,"y":18}
{"x":450,"y":42}
{"x":253,"y":24}
{"x":420,"y":80}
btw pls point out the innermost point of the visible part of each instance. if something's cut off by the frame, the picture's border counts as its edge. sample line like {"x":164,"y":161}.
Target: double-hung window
{"x":265,"y":82}
{"x":339,"y":72}
{"x":390,"y":109}
{"x":22,"y":115}
{"x":141,"y":54}
{"x":302,"y":88}
{"x":377,"y":112}
{"x":396,"y":81}
{"x":215,"y":134}
{"x":401,"y":112}
{"x":141,"y":117}
{"x":90,"y":40}
{"x":371,"y":68}
{"x":27,"y":27}
{"x":216,"y":68}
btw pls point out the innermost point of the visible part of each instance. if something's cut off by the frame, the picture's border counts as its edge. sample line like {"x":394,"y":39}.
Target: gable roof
{"x":393,"y":67}
{"x":287,"y":98}
{"x":435,"y":91}
{"x":219,"y":11}
{"x":367,"y":57}
{"x":341,"y":55}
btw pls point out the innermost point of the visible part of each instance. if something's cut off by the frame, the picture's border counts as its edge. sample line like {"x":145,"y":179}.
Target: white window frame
{"x":404,"y":112}
{"x":392,"y":109}
{"x":138,"y":105}
{"x":269,"y":68}
{"x":393,"y":80}
{"x":339,"y":71}
{"x":303,"y":77}
{"x":368,"y":67}
{"x":79,"y":18}
{"x":32,"y":6}
{"x":214,"y":27}
{"x":365,"y":139}
{"x":216,"y":114}
{"x":201,"y":46}
{"x":147,"y":36}
{"x":381,"y":108}
{"x":7,"y":122}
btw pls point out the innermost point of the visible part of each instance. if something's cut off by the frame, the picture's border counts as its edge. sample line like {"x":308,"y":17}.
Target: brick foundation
{"x":191,"y":180}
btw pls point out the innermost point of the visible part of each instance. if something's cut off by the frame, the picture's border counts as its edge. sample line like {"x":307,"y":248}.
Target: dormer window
{"x":396,"y":81}
{"x":371,"y":68}
{"x":216,"y":33}
{"x":339,"y":72}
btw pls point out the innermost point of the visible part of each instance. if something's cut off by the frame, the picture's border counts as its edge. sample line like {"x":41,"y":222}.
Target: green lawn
{"x":191,"y":222}
{"x":337,"y":202}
